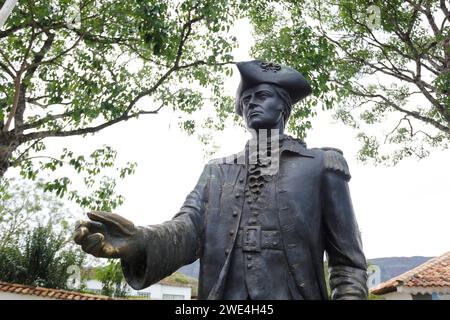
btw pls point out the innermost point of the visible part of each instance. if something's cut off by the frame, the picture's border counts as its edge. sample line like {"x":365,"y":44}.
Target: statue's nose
{"x":252,"y":105}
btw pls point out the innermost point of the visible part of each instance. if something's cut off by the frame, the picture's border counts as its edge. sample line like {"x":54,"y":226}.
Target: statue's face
{"x":262,"y":107}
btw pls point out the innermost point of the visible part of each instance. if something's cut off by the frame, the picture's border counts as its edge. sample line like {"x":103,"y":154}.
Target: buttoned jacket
{"x":315,"y":216}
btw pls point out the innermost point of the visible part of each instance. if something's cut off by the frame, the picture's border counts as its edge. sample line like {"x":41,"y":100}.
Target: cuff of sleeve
{"x":348,"y":283}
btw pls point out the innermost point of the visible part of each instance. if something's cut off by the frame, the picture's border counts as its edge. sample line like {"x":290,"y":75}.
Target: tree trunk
{"x":5,"y":154}
{"x":7,"y":147}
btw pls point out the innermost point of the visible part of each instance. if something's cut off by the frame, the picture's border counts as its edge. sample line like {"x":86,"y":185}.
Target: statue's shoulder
{"x":334,"y":160}
{"x":215,"y":161}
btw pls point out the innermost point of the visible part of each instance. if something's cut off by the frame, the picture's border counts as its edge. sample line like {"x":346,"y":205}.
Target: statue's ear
{"x":285,"y":115}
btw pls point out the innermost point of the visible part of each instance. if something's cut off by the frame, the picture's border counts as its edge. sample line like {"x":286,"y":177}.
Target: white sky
{"x":401,"y":211}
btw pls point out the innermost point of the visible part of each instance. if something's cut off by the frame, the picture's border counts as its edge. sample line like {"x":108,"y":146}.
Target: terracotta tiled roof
{"x":48,"y":293}
{"x":170,"y":282}
{"x":433,"y":273}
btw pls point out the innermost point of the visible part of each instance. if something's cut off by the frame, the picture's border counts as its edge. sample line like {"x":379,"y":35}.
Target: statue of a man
{"x":260,"y":221}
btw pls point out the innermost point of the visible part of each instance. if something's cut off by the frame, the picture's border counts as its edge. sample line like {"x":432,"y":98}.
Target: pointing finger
{"x":114,"y":221}
{"x":80,"y":234}
{"x":93,"y":244}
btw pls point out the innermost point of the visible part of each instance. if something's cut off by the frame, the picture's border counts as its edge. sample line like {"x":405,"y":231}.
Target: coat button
{"x":241,"y":180}
{"x":231,"y":232}
{"x":235,"y":213}
{"x":249,"y":266}
{"x":237,"y":195}
{"x":249,"y":257}
{"x":227,"y":252}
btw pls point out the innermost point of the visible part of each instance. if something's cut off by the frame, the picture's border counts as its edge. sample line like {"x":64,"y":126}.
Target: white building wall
{"x":94,"y":285}
{"x":15,"y":296}
{"x":179,"y":292}
{"x":397,"y":296}
{"x":156,"y":291}
{"x":408,"y":293}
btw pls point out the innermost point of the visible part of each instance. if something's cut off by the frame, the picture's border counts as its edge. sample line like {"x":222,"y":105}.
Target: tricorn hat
{"x":256,"y":72}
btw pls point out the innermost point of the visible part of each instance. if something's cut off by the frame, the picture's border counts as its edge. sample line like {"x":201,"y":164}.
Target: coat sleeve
{"x":346,"y":260}
{"x":165,"y":247}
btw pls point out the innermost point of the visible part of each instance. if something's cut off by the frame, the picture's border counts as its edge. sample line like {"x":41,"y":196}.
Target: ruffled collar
{"x":286,"y":142}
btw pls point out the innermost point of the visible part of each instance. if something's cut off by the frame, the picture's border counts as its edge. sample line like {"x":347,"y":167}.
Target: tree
{"x":372,"y":62}
{"x":112,"y":279}
{"x":35,"y":240}
{"x":24,"y":205}
{"x":72,"y":68}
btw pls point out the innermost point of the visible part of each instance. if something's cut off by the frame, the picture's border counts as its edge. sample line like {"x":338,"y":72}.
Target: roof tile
{"x":433,"y":273}
{"x":48,"y":292}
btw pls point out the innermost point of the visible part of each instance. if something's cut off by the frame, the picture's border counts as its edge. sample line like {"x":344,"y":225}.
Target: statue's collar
{"x":288,"y":143}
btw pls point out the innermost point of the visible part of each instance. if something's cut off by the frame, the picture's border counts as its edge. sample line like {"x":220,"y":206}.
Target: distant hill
{"x":394,"y":266}
{"x":191,"y":270}
{"x":389,"y":267}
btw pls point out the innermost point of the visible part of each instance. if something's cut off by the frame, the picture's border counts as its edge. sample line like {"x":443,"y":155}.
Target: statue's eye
{"x":263,"y":94}
{"x":245,"y":101}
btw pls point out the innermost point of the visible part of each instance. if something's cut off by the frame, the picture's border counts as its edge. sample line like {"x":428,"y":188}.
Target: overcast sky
{"x":401,"y":211}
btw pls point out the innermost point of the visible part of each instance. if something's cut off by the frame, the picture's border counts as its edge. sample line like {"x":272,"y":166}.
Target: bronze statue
{"x":260,"y":221}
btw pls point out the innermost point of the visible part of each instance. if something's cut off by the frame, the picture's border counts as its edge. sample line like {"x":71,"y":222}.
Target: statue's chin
{"x":260,"y":126}
{"x":260,"y":122}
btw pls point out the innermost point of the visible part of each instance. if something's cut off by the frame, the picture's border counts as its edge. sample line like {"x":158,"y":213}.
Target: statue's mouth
{"x":254,"y":113}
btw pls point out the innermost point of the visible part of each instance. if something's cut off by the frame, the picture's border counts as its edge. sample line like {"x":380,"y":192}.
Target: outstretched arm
{"x":168,"y":246}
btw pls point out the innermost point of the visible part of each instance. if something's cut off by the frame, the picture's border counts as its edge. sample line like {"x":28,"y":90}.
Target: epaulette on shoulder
{"x":335,"y":161}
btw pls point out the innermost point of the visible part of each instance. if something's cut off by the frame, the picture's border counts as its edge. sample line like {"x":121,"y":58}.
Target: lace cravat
{"x":257,"y":175}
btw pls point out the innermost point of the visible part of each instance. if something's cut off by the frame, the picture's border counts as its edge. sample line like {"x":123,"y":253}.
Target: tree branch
{"x":12,"y":113}
{"x":398,"y":125}
{"x":202,"y":62}
{"x":430,"y":19}
{"x":39,"y":56}
{"x":185,"y":31}
{"x":19,"y":86}
{"x":444,"y":9}
{"x":26,"y":151}
{"x":126,"y":115}
{"x":6,"y":69}
{"x":388,"y":102}
{"x":38,"y":157}
{"x":59,"y":55}
{"x":81,"y":131}
{"x":7,"y":61}
{"x":7,"y":32}
{"x":45,"y":134}
{"x":45,"y":119}
{"x":396,"y":74}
